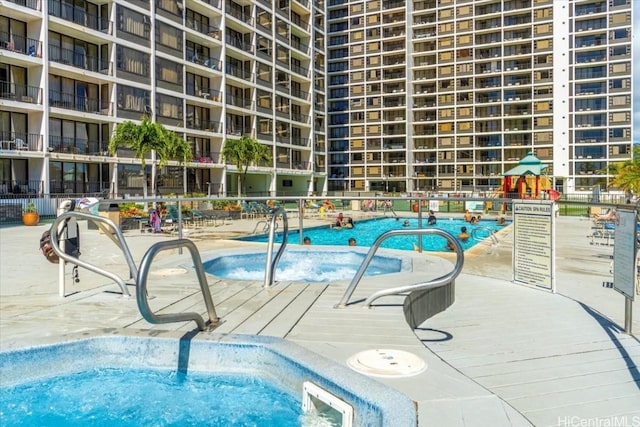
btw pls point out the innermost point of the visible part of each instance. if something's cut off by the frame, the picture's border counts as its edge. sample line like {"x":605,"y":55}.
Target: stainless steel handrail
{"x":266,"y":226}
{"x":490,"y":234}
{"x":270,"y":267}
{"x":141,"y":286}
{"x":111,"y":227}
{"x":440,"y":281}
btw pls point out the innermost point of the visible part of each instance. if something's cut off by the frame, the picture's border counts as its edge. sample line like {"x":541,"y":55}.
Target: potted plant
{"x":30,"y":214}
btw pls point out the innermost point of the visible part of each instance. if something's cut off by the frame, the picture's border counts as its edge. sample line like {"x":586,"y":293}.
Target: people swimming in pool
{"x":306,"y":240}
{"x":431,"y":220}
{"x":352,"y":241}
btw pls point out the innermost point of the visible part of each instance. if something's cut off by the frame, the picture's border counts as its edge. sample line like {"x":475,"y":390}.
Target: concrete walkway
{"x":502,"y":355}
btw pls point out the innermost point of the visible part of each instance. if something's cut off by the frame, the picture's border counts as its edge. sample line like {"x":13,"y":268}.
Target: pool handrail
{"x":111,"y":227}
{"x":492,"y":234}
{"x":440,"y":281}
{"x":266,"y":224}
{"x":141,"y":286}
{"x":271,"y":263}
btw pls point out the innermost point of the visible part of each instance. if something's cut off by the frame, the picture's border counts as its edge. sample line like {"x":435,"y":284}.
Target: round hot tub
{"x":303,"y":265}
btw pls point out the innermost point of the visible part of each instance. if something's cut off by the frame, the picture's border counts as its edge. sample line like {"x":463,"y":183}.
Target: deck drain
{"x":387,"y":363}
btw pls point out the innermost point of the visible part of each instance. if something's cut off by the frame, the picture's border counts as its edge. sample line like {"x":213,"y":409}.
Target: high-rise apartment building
{"x":71,"y":70}
{"x":449,"y":94}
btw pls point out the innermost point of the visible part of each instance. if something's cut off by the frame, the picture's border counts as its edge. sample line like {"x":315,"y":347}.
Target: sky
{"x":636,"y":71}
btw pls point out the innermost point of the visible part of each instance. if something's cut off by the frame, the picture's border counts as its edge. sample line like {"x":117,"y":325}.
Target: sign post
{"x":625,"y":269}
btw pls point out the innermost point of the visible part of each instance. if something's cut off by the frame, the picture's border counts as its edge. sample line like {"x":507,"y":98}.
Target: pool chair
{"x":247,"y":212}
{"x":200,"y":219}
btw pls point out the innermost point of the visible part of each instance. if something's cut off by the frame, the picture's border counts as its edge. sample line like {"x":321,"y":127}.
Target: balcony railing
{"x":210,"y":30}
{"x":20,"y":141}
{"x":20,"y":44}
{"x":208,"y":125}
{"x":77,"y":59}
{"x":74,"y":101}
{"x":237,"y":101}
{"x":77,"y":15}
{"x":31,"y":4}
{"x":207,"y":61}
{"x":58,"y":144}
{"x":239,"y":43}
{"x":21,"y":187}
{"x":232,"y":70}
{"x":21,"y":93}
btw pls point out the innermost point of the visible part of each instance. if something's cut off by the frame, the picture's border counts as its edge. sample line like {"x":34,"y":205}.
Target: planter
{"x":30,"y":218}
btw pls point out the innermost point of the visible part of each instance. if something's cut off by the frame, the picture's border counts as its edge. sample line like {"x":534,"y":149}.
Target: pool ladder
{"x":272,"y":262}
{"x":140,"y":275}
{"x":435,"y":283}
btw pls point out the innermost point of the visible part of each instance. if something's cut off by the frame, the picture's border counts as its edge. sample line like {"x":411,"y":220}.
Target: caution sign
{"x":533,"y":245}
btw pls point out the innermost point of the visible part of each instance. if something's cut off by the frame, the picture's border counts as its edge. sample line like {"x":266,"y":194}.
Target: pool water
{"x":126,"y":378}
{"x":132,"y":397}
{"x":367,"y":231}
{"x":308,"y":266}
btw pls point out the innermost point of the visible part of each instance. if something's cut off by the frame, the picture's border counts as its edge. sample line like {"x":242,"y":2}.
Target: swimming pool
{"x":212,"y":366}
{"x":367,"y":231}
{"x":303,"y":265}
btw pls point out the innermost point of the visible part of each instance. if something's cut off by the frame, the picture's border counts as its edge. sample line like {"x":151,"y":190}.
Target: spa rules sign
{"x":533,"y":244}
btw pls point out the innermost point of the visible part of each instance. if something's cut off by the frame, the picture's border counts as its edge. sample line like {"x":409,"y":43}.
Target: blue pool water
{"x":367,"y":231}
{"x":150,"y":398}
{"x":308,"y":266}
{"x":129,"y":379}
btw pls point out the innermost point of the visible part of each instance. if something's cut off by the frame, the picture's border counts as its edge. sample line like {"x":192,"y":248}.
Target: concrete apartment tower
{"x":206,"y":69}
{"x":449,"y":94}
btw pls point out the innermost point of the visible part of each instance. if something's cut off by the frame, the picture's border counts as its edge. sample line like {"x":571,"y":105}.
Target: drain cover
{"x":386,"y":363}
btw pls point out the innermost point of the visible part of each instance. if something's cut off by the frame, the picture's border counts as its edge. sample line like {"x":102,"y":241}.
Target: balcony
{"x":59,"y":144}
{"x":78,"y":59}
{"x":20,"y":93}
{"x":77,"y":15}
{"x":20,"y":141}
{"x":74,"y":101}
{"x":31,"y":4}
{"x":20,"y":44}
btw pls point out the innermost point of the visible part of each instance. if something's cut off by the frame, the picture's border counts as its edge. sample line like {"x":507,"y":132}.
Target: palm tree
{"x":150,"y":138}
{"x":243,"y":153}
{"x":627,"y":173}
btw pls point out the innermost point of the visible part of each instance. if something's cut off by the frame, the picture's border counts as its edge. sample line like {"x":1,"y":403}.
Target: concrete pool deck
{"x":501,"y":355}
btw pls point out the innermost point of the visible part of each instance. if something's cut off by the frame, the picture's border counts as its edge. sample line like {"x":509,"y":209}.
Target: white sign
{"x":624,"y":253}
{"x":533,"y":243}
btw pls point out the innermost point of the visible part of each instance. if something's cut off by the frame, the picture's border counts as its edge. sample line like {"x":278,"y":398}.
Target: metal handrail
{"x":435,"y":283}
{"x":491,"y":235}
{"x":141,"y":286}
{"x":119,"y":240}
{"x":270,"y":268}
{"x":265,"y":228}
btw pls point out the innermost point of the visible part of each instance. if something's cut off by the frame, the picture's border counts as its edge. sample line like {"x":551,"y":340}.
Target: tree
{"x":150,"y":138}
{"x":627,"y":173}
{"x":243,"y":153}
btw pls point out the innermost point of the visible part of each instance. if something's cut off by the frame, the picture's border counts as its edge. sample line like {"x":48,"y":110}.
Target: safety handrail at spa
{"x":111,"y":230}
{"x":272,"y":263}
{"x":435,"y":283}
{"x":141,"y":286}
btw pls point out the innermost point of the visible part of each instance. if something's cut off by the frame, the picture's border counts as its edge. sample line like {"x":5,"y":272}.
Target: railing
{"x":141,"y":286}
{"x":271,"y":264}
{"x":111,"y":230}
{"x":435,"y":283}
